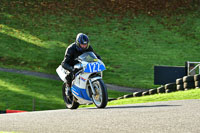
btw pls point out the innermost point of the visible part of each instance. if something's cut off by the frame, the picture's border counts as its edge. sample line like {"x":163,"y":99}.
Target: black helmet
{"x":82,"y":39}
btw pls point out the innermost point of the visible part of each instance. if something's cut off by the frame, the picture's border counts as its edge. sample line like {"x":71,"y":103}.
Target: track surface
{"x":159,"y":117}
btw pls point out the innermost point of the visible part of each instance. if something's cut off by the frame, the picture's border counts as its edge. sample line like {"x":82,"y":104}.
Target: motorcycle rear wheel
{"x":101,"y":97}
{"x":70,"y":101}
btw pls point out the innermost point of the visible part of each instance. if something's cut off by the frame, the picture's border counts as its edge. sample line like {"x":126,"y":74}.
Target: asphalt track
{"x":159,"y":117}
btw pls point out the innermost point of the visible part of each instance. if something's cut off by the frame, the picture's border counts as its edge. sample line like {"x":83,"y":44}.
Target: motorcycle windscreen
{"x":94,"y":67}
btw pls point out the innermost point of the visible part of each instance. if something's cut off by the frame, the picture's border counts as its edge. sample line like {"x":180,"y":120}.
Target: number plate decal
{"x":94,"y":67}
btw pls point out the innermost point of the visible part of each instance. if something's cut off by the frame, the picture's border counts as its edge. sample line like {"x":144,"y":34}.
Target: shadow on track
{"x":144,"y":106}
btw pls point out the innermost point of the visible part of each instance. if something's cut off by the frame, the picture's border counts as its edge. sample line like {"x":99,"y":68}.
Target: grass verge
{"x":18,"y":92}
{"x":181,"y":95}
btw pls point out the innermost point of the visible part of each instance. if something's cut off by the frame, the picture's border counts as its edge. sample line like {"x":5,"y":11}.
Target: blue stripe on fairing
{"x":80,"y":92}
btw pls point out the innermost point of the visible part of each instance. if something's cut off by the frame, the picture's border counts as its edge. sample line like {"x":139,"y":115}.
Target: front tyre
{"x":70,"y":101}
{"x":100,"y":99}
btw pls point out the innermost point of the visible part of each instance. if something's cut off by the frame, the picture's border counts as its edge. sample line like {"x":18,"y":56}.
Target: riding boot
{"x":68,"y":84}
{"x":68,"y":88}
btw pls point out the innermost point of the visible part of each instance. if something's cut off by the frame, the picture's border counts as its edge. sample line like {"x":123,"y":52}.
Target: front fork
{"x":92,"y":88}
{"x":91,"y":85}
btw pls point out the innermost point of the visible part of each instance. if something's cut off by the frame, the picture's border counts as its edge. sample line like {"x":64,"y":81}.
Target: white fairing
{"x":62,"y":73}
{"x":81,"y":81}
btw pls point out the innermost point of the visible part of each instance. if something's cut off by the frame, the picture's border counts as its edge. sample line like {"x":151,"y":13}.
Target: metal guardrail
{"x":193,"y":68}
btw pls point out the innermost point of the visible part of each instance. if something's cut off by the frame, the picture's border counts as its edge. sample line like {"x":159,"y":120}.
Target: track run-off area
{"x":162,"y":117}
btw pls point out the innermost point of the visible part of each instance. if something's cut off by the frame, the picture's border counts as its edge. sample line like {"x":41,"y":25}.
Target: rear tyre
{"x":100,"y":99}
{"x":70,"y":101}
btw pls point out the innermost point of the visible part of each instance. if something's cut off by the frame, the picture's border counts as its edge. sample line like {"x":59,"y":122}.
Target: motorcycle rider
{"x":72,"y":52}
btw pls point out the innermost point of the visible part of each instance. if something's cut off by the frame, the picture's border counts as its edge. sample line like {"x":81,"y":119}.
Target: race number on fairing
{"x":94,"y":67}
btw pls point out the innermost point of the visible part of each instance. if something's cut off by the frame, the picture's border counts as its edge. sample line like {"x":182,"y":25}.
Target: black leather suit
{"x":71,"y":53}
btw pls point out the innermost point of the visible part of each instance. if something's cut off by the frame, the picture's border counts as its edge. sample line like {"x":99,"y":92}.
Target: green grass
{"x":31,"y":39}
{"x":116,"y":94}
{"x":181,"y":95}
{"x":130,"y":47}
{"x":19,"y":91}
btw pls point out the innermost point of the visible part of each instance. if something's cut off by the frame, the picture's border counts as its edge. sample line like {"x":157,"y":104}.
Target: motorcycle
{"x":87,"y":86}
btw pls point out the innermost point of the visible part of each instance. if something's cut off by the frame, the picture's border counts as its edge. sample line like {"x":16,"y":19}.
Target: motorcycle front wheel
{"x":100,"y":99}
{"x":70,"y":101}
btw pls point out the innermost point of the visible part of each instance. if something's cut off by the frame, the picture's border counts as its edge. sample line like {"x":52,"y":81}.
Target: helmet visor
{"x":84,"y":46}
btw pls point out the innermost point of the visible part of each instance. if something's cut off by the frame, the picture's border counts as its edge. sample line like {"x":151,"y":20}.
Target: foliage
{"x":91,"y":8}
